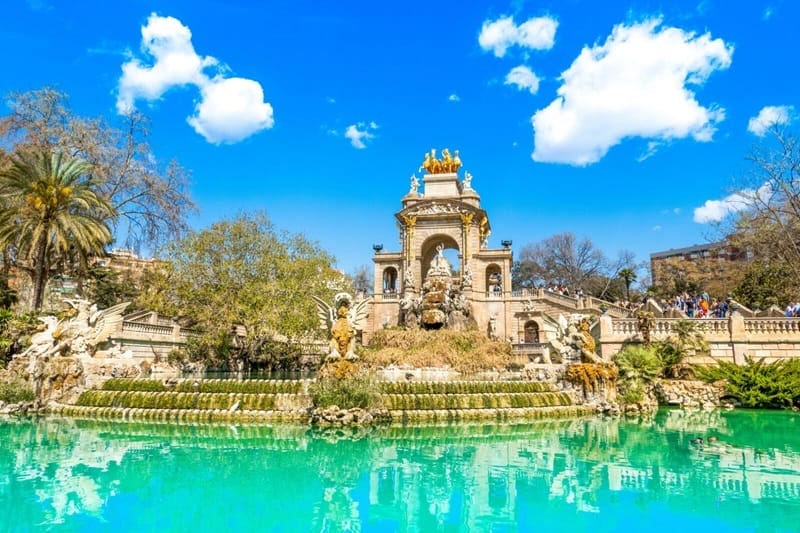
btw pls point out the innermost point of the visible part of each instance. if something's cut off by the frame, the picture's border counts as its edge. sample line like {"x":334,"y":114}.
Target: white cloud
{"x":767,"y":13}
{"x":657,"y":228}
{"x":717,"y":210}
{"x":523,"y":78}
{"x":454,"y":98}
{"x":330,"y":100}
{"x":769,"y":116}
{"x":359,"y":133}
{"x":229,"y":110}
{"x":634,"y":85}
{"x":536,"y":33}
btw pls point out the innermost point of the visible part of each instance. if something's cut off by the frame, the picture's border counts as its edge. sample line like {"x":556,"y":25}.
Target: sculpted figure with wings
{"x":341,"y":322}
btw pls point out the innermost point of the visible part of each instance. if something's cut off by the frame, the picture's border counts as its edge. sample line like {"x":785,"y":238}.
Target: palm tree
{"x":628,"y":275}
{"x":50,"y":207}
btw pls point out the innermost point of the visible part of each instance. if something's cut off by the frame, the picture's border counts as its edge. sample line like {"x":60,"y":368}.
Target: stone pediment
{"x":451,"y":207}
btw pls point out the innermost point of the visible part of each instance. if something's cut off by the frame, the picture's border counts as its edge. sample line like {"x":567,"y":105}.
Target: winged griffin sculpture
{"x":341,"y":322}
{"x":82,"y":333}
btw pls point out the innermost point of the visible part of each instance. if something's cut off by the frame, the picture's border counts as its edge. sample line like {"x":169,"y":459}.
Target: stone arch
{"x":390,"y":280}
{"x":531,"y":332}
{"x":494,"y":279}
{"x":428,"y":251}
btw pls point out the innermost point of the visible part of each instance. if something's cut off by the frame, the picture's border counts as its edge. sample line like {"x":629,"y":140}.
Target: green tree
{"x":51,"y":209}
{"x":245,"y":272}
{"x":628,"y":275}
{"x":150,"y":199}
{"x":105,"y":288}
{"x":765,"y":284}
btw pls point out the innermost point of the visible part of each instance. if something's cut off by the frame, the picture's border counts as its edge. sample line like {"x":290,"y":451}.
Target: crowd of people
{"x":693,"y":305}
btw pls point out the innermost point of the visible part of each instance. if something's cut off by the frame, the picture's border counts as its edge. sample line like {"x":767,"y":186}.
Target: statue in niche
{"x":440,"y":266}
{"x":341,"y":322}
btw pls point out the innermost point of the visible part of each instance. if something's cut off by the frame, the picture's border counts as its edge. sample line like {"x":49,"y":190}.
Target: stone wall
{"x":690,"y":393}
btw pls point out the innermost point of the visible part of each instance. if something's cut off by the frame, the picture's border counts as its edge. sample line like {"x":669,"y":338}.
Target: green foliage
{"x":52,"y":213}
{"x":344,"y":385}
{"x":638,"y":367}
{"x":15,"y":331}
{"x":244,"y":272}
{"x":15,"y":391}
{"x":685,"y":339}
{"x":637,"y":364}
{"x":276,"y":355}
{"x":766,"y":284}
{"x":758,"y":384}
{"x":105,"y":288}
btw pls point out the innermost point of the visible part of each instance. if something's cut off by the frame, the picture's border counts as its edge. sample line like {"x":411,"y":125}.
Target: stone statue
{"x":341,"y":321}
{"x":414,"y":185}
{"x":466,"y":279}
{"x":408,"y":277}
{"x":467,"y":180}
{"x":439,"y":265}
{"x":573,"y":338}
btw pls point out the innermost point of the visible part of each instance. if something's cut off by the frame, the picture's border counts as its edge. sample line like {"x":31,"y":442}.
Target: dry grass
{"x":463,"y":351}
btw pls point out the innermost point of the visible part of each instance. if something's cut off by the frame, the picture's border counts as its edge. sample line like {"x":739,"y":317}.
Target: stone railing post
{"x":738,"y":337}
{"x":606,"y":332}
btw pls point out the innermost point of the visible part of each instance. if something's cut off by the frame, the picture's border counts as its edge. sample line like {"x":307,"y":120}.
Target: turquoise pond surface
{"x":583,"y":474}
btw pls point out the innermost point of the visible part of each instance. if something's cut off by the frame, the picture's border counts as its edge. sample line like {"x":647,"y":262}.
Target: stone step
{"x":194,"y":400}
{"x":475,"y":401}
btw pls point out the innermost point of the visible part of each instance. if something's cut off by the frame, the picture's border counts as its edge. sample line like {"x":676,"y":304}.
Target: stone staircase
{"x":220,"y":400}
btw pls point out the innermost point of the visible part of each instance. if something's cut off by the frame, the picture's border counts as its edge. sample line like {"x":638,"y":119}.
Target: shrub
{"x":15,"y":391}
{"x":684,"y":340}
{"x":637,"y":364}
{"x":758,"y":384}
{"x":344,"y":385}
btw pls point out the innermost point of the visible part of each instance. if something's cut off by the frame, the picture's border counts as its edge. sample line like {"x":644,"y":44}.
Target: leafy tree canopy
{"x":245,"y":272}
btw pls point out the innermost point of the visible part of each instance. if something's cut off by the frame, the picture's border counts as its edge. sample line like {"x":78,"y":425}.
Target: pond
{"x":598,"y":474}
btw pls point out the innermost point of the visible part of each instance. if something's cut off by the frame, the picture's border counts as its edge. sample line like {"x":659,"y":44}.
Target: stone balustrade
{"x":732,"y":338}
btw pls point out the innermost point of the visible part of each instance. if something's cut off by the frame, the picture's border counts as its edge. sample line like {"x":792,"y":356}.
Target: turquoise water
{"x":587,"y":474}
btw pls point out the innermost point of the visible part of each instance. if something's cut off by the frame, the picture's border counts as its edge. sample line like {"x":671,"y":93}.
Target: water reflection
{"x":598,"y":473}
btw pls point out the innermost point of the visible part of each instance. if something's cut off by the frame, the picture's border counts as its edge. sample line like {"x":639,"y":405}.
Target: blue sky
{"x":625,"y":122}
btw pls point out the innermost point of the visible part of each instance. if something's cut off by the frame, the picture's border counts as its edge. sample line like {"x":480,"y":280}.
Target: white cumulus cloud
{"x":717,"y":210}
{"x":229,"y":110}
{"x":769,"y":116}
{"x":454,"y":98}
{"x":499,"y":35}
{"x":524,"y":78}
{"x":633,"y":85}
{"x":359,"y":133}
